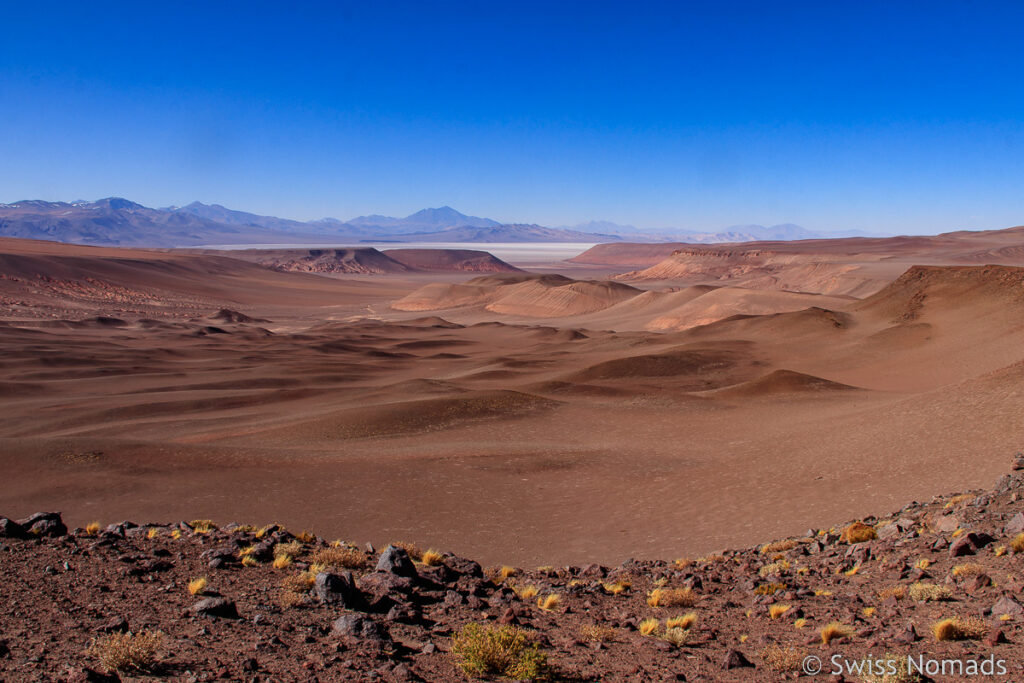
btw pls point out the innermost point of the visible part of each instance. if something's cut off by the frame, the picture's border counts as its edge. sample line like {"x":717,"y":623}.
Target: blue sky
{"x":887,"y":117}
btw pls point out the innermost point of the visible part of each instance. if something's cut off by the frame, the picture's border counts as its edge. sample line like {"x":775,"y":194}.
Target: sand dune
{"x":533,"y":296}
{"x":780,"y":382}
{"x":729,"y":301}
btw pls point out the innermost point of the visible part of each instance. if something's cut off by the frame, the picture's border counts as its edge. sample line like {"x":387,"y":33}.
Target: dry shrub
{"x":834,"y":630}
{"x":782,"y":659}
{"x":968,"y":569}
{"x":290,"y":550}
{"x":249,"y":561}
{"x":769,"y":588}
{"x":597,"y":633}
{"x":778,"y":609}
{"x":677,"y":636}
{"x":340,"y":558}
{"x":196,"y":586}
{"x":152,"y":533}
{"x":672,"y":597}
{"x":202,"y":526}
{"x":898,"y":592}
{"x":306,"y":536}
{"x":960,"y":628}
{"x":127,"y":651}
{"x":858,"y":532}
{"x":299,"y":583}
{"x":282,"y":562}
{"x":928,"y":592}
{"x":778,"y":546}
{"x":774,"y":569}
{"x":290,"y":599}
{"x":92,"y":528}
{"x":509,"y":651}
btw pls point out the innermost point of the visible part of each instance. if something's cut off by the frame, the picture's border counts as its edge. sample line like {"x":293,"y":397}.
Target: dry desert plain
{"x":646,"y":401}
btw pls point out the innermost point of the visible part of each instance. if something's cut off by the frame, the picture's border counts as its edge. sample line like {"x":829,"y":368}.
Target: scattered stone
{"x":396,"y":561}
{"x":44,"y":524}
{"x":734,"y":659}
{"x":360,"y":627}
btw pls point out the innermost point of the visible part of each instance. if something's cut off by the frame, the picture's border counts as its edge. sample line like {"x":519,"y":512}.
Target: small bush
{"x":858,"y":532}
{"x":898,"y":592}
{"x":835,"y":630}
{"x":306,"y":536}
{"x":769,"y":588}
{"x":202,"y":526}
{"x":960,"y":628}
{"x":92,"y":528}
{"x":508,"y":651}
{"x":127,"y":651}
{"x":968,"y":569}
{"x":777,"y":610}
{"x":340,"y":558}
{"x":782,"y":659}
{"x":282,"y":561}
{"x":289,"y":599}
{"x":928,"y":592}
{"x":672,"y":597}
{"x":197,"y":586}
{"x":299,"y":583}
{"x":290,"y":550}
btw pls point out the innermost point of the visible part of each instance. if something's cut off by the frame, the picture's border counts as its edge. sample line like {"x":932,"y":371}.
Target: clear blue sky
{"x":883,"y":116}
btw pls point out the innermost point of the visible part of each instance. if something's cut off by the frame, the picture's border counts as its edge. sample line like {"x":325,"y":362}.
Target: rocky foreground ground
{"x":195,"y":601}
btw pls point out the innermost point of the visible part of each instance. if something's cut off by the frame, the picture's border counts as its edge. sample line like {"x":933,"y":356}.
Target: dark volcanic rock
{"x":44,"y":524}
{"x":337,"y":589}
{"x":360,"y":627}
{"x":11,"y":529}
{"x":215,"y":607}
{"x":396,"y":561}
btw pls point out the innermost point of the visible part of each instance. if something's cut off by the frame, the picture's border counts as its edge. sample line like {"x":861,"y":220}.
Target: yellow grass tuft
{"x":92,"y":528}
{"x":1005,"y":617}
{"x":509,"y":651}
{"x":506,"y":572}
{"x":649,"y":626}
{"x":956,"y":500}
{"x":152,"y":533}
{"x":282,"y":561}
{"x":249,"y":561}
{"x":928,"y":592}
{"x":959,"y":532}
{"x":202,"y":526}
{"x":527,"y":592}
{"x":778,"y":609}
{"x":858,"y":532}
{"x":431,"y":558}
{"x":683,"y":563}
{"x":769,"y":588}
{"x":196,"y":586}
{"x":616,"y":587}
{"x":306,"y":536}
{"x":923,"y":563}
{"x":672,"y":597}
{"x":869,"y":612}
{"x":685,"y":621}
{"x":960,"y":628}
{"x":999,"y":550}
{"x":176,"y":534}
{"x":1017,"y":544}
{"x":800,"y":623}
{"x":822,"y":592}
{"x":127,"y":651}
{"x":834,"y":630}
{"x":743,"y":638}
{"x":549,"y":602}
{"x":852,"y":571}
{"x":290,"y":550}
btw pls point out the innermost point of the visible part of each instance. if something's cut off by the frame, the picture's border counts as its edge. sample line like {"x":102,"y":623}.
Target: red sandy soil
{"x":755,"y":614}
{"x":545,"y":423}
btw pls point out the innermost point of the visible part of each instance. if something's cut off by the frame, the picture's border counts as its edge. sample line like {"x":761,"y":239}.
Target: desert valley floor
{"x":645,"y":401}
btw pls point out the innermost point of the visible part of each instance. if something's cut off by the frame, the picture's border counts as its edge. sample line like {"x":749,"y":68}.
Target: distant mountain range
{"x":120,"y":222}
